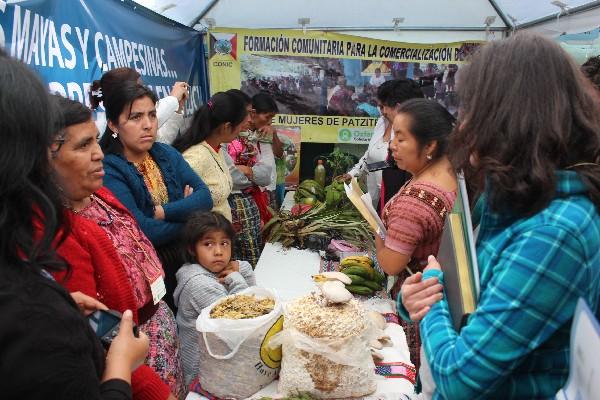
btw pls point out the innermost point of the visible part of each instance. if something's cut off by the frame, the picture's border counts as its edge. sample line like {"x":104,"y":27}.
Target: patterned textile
{"x":261,"y":199}
{"x":396,"y":370}
{"x":532,"y":272}
{"x":391,"y":318}
{"x":163,"y":353}
{"x":414,"y":219}
{"x":133,"y":247}
{"x":413,"y":339}
{"x":246,"y":222}
{"x":243,"y":151}
{"x":154,"y":180}
{"x":273,"y":201}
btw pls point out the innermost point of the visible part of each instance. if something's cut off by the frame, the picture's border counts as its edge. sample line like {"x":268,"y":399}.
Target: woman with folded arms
{"x":152,"y":180}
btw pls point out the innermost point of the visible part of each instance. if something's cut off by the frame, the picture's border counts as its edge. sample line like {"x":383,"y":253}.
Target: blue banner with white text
{"x":70,"y":43}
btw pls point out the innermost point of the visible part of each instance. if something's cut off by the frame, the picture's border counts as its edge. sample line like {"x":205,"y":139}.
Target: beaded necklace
{"x":102,"y":206}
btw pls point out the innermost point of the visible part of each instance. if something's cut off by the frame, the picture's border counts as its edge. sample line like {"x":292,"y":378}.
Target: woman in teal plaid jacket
{"x":530,"y":128}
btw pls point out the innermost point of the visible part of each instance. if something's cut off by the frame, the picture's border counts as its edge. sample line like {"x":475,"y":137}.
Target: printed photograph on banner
{"x":288,"y":168}
{"x":338,"y":86}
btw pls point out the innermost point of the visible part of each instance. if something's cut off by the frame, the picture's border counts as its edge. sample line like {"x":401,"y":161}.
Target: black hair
{"x":264,"y":103}
{"x":429,"y":121}
{"x":201,"y":223}
{"x":394,"y":92}
{"x":101,"y":88}
{"x":71,"y":112}
{"x":591,"y":69}
{"x":28,"y":194}
{"x":523,"y":127}
{"x":243,"y":96}
{"x":223,"y":107}
{"x":115,"y":102}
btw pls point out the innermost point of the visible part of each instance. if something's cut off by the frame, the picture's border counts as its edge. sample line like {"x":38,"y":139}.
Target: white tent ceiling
{"x":426,"y":21}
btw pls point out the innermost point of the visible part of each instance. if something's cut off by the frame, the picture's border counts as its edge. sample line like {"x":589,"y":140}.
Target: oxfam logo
{"x":344,"y":135}
{"x":223,"y":47}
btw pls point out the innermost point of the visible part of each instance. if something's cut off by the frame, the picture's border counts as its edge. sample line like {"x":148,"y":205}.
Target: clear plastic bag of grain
{"x":325,"y":349}
{"x":234,"y":361}
{"x":242,"y":306}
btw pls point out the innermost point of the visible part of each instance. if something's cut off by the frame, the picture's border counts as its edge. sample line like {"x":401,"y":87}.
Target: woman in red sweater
{"x":111,"y":258}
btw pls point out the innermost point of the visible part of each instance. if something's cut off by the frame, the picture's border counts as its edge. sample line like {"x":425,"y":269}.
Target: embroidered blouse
{"x":414,"y":219}
{"x":154,"y":180}
{"x":212,"y":169}
{"x":133,"y":247}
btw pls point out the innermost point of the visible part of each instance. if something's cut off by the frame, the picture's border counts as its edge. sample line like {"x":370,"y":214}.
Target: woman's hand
{"x":180,"y":91}
{"x":159,"y":213}
{"x":126,"y":352}
{"x":345,"y":177}
{"x":277,"y":143}
{"x":267,"y":132}
{"x":246,"y":170}
{"x":87,"y":304}
{"x":419,"y":295}
{"x":187,"y":191}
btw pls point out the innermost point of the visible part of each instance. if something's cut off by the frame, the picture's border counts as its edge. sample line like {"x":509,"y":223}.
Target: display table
{"x":288,"y":272}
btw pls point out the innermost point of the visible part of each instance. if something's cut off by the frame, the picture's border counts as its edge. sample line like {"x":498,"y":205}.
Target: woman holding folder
{"x":414,"y":217}
{"x":535,"y":138}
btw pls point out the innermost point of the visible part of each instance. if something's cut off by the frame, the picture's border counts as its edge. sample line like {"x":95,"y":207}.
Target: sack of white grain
{"x":234,"y":360}
{"x":325,"y":350}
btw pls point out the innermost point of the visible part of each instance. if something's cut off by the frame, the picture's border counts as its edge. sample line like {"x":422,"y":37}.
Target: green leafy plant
{"x":320,"y":222}
{"x":339,"y":162}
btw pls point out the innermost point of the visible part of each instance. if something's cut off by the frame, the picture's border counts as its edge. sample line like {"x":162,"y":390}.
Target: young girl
{"x":210,"y":275}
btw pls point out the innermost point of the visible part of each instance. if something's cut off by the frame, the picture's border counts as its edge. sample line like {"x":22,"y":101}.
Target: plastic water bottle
{"x":320,"y":173}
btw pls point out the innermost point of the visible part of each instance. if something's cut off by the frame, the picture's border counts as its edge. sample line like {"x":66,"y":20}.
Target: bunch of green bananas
{"x":335,"y":193}
{"x":309,"y":192}
{"x":365,"y":279}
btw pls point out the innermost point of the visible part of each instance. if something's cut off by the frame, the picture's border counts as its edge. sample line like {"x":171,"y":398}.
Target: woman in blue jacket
{"x":151,"y":179}
{"x":529,"y":125}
